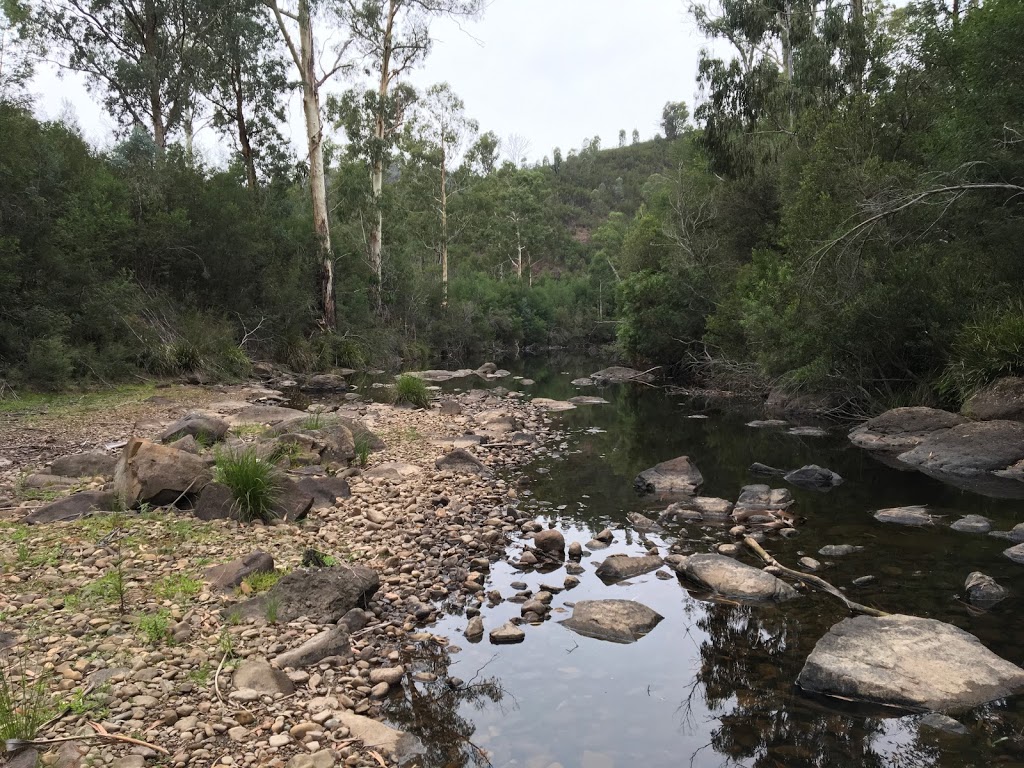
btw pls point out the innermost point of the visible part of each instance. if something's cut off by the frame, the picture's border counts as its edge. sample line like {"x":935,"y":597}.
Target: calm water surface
{"x":712,"y":685}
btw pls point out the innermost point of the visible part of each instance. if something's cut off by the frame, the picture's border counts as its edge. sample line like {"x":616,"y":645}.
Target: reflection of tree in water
{"x":431,"y":710}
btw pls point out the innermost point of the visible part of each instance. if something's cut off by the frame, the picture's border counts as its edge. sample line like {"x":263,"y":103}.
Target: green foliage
{"x":109,"y":588}
{"x":412,"y":391}
{"x":261,"y":582}
{"x":177,"y":586}
{"x":270,"y":608}
{"x":254,"y":482}
{"x":156,"y":627}
{"x":25,"y":703}
{"x":85,"y":701}
{"x":987,"y":347}
{"x":363,"y":448}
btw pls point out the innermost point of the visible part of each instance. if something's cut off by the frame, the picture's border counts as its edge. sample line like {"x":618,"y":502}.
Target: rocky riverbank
{"x":124,"y":618}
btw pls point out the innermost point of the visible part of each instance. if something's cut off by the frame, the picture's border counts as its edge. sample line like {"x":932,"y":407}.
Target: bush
{"x":254,"y":483}
{"x":985,"y":349}
{"x":411,"y":390}
{"x":48,"y":364}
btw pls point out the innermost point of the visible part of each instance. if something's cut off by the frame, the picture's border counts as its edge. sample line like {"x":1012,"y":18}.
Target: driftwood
{"x":814,"y":581}
{"x":12,"y":745}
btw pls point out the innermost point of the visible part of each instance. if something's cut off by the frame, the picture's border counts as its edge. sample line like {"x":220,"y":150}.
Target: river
{"x":713,"y":683}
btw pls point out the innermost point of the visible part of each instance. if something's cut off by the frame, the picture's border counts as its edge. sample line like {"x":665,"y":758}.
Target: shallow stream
{"x":712,"y":684}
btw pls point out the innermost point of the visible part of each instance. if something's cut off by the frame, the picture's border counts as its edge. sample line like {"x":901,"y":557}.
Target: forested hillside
{"x":841,"y":215}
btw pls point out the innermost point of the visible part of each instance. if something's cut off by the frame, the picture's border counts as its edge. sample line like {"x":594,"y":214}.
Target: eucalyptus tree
{"x":447,"y":129}
{"x":295,"y":25}
{"x":18,"y":44}
{"x":393,"y":37}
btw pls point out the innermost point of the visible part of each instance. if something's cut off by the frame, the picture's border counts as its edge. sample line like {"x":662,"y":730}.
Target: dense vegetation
{"x":844,"y":218}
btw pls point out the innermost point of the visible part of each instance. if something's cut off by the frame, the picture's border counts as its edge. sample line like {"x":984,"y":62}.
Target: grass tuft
{"x":411,"y":390}
{"x":156,"y":627}
{"x":261,"y":582}
{"x":254,"y":482}
{"x":25,"y":704}
{"x":177,"y":586}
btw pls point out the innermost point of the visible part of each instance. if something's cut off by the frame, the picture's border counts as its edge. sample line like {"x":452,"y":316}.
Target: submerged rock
{"x":903,"y":429}
{"x":814,"y":477}
{"x":909,"y":662}
{"x":916,"y":515}
{"x":643,"y":523}
{"x":972,"y":524}
{"x":617,"y":621}
{"x":619,"y":567}
{"x":677,"y":475}
{"x":398,"y":745}
{"x":618,"y":374}
{"x":731,"y":578}
{"x":983,"y":591}
{"x":758,"y":468}
{"x":839,"y":550}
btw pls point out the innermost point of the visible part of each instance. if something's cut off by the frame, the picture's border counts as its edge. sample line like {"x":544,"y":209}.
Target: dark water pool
{"x":712,"y":685}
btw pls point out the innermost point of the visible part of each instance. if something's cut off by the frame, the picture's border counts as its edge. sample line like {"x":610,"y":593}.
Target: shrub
{"x":411,"y":390}
{"x":363,"y":448}
{"x":985,"y":349}
{"x":156,"y":627}
{"x":254,"y":483}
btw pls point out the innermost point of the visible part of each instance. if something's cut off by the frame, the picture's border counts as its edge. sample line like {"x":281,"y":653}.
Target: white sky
{"x":554,"y":71}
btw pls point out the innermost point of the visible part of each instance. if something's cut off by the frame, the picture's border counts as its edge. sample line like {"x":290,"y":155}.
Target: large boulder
{"x":397,"y":745}
{"x":218,"y":502}
{"x":324,"y":595}
{"x":198,"y":425}
{"x":88,"y":464}
{"x":325,"y":489}
{"x":676,"y":476}
{"x":331,"y":442}
{"x":619,"y":567}
{"x":1003,"y":399}
{"x":903,"y":429}
{"x":157,"y":474}
{"x":462,"y":461}
{"x":331,"y":642}
{"x":618,"y":374}
{"x":814,"y":477}
{"x":232,"y":574}
{"x":618,"y":621}
{"x":72,"y":507}
{"x":730,"y":578}
{"x":970,"y":450}
{"x":908,"y":661}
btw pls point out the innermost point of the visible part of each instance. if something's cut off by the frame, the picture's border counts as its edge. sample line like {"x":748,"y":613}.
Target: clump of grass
{"x":254,"y":483}
{"x":177,"y":586}
{"x":270,"y":609}
{"x":362,"y":447}
{"x":86,"y":702}
{"x":411,"y":390}
{"x":315,"y":421}
{"x":109,"y":588}
{"x":156,"y":627}
{"x":25,"y":704}
{"x":261,"y":582}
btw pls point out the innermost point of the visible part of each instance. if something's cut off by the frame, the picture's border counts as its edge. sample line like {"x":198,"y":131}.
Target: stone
{"x":902,"y":429}
{"x":643,"y":523}
{"x":451,"y":408}
{"x":808,"y":432}
{"x":1003,"y":399}
{"x":331,"y":442}
{"x":551,"y":542}
{"x":617,"y":621}
{"x":1015,"y":553}
{"x":325,"y":489}
{"x":575,"y":551}
{"x":916,"y":515}
{"x":198,"y":425}
{"x":678,"y":475}
{"x":231,"y":575}
{"x":618,"y":374}
{"x":157,"y":474}
{"x":1015,"y":534}
{"x":587,"y":400}
{"x":507,"y":634}
{"x":333,"y":641}
{"x":972,"y":524}
{"x":216,"y":502}
{"x":809,"y":563}
{"x":251,"y":415}
{"x":396,"y":471}
{"x":620,"y":567}
{"x":129,"y":761}
{"x":474,"y":630}
{"x":731,"y":578}
{"x":582,"y":382}
{"x":970,"y":449}
{"x":462,"y":461}
{"x":554,"y":406}
{"x":257,"y":675}
{"x":944,"y":723}
{"x":279,"y":740}
{"x":321,"y":759}
{"x":814,"y":477}
{"x":766,"y":423}
{"x":983,"y":591}
{"x":839,"y":550}
{"x":324,"y":595}
{"x":73,"y":507}
{"x":438,"y":376}
{"x":389,"y":675}
{"x":759,"y":498}
{"x":757,"y":468}
{"x":187,"y":444}
{"x":323,"y":382}
{"x":390,"y":742}
{"x":908,"y":661}
{"x":88,"y":464}
{"x":291,"y":502}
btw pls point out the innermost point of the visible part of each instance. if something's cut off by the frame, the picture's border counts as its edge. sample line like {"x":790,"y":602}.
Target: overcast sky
{"x":554,"y":71}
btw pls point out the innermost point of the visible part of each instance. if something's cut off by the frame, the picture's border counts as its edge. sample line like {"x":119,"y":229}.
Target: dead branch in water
{"x":814,"y":581}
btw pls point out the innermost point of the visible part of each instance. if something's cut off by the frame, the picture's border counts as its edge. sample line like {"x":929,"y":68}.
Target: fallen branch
{"x":216,"y":677}
{"x":814,"y":581}
{"x":13,"y":745}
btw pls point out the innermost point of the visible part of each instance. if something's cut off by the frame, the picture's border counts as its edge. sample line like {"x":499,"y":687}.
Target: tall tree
{"x":673,"y":118}
{"x":636,"y":136}
{"x":299,"y":22}
{"x":18,"y":43}
{"x":446,"y":128}
{"x":393,"y":37}
{"x":622,"y":138}
{"x":482,"y":157}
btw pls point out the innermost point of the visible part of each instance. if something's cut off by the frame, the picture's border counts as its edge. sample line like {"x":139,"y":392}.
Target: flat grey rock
{"x":915,"y":515}
{"x":677,"y":475}
{"x":902,"y":429}
{"x":731,"y":578}
{"x":620,"y":567}
{"x":617,"y":621}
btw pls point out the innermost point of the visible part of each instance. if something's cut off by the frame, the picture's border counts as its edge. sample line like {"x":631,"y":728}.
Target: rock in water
{"x":983,"y":591}
{"x":972,"y":524}
{"x":507,"y":634}
{"x":325,"y":595}
{"x":550,"y":541}
{"x":678,"y":475}
{"x":909,"y":662}
{"x":618,"y":374}
{"x":398,"y":745}
{"x":902,"y":429}
{"x":917,"y":515}
{"x":618,"y":621}
{"x":730,"y":578}
{"x":643,"y":523}
{"x":970,"y":449}
{"x":619,"y":567}
{"x":814,"y":477}
{"x":839,"y":550}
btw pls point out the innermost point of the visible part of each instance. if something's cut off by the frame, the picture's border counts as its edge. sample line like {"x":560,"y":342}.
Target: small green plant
{"x":270,"y":608}
{"x":93,"y":703}
{"x":226,"y":643}
{"x":200,"y":675}
{"x":109,"y":588}
{"x":25,"y":703}
{"x":233,"y":617}
{"x":261,"y":582}
{"x":316,"y":420}
{"x":156,"y":627}
{"x":362,"y":448}
{"x":411,"y":390}
{"x":177,"y":586}
{"x":254,"y":483}
{"x":73,"y":601}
